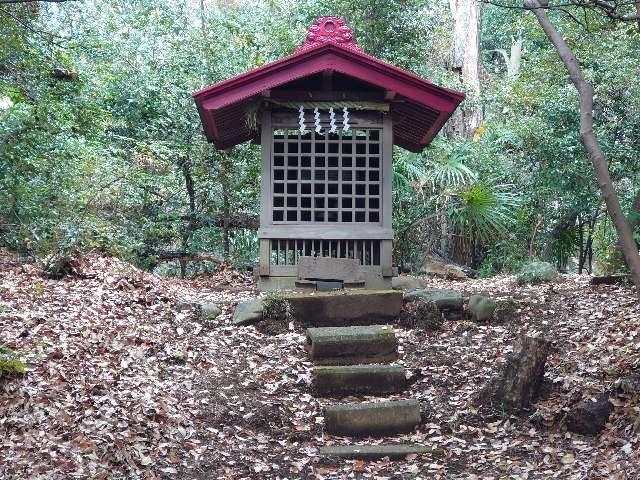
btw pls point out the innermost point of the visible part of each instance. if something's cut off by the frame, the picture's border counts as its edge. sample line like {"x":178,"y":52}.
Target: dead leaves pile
{"x":121,"y":384}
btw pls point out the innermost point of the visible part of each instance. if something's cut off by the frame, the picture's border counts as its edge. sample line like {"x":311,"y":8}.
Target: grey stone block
{"x":248,"y":312}
{"x":352,"y":345}
{"x":364,"y":419}
{"x":345,"y":307}
{"x":444,"y":299}
{"x":375,"y":452}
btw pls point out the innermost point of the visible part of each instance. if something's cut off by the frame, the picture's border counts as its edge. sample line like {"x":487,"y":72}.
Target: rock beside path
{"x":209,"y":311}
{"x":590,"y":415}
{"x":481,"y":307}
{"x":248,"y":312}
{"x":433,"y":266}
{"x":406,"y":283}
{"x":446,"y":300}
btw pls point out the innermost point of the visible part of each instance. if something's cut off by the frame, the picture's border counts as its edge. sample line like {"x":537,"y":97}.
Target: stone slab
{"x":248,"y":312}
{"x":372,"y":419}
{"x":352,"y":345}
{"x":329,"y":286}
{"x":359,"y":379}
{"x":375,"y":452}
{"x":444,"y":299}
{"x":326,"y":268}
{"x":345,"y":307}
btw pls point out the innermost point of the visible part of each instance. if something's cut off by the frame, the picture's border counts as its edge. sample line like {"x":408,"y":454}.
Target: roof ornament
{"x":329,"y":30}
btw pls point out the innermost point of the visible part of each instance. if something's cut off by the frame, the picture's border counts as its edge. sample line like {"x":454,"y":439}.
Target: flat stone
{"x":406,"y":283}
{"x":444,"y":299}
{"x":327,"y":268}
{"x":354,"y":379}
{"x":365,"y":419}
{"x":352,"y":345}
{"x":248,"y":312}
{"x":375,"y":452}
{"x":345,"y":307}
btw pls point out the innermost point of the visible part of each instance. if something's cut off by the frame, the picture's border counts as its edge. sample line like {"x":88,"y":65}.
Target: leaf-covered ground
{"x":123,"y":384}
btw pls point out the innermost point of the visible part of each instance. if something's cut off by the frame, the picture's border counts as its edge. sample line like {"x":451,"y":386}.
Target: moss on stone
{"x":339,"y":293}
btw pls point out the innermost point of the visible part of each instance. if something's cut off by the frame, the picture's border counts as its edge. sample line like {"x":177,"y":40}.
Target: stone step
{"x":345,"y":307}
{"x":359,"y":379}
{"x":352,"y":345}
{"x":375,"y":452}
{"x":371,"y":419}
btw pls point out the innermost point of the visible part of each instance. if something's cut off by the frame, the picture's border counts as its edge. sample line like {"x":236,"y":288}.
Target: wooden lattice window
{"x":327,"y":177}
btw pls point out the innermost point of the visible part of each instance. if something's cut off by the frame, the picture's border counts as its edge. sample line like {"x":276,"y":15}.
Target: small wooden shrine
{"x":327,"y":118}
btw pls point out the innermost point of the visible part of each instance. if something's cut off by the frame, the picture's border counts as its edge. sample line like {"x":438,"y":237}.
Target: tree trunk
{"x":635,"y":211}
{"x":225,"y":224}
{"x":188,"y":228}
{"x":465,"y":60}
{"x":590,"y":142}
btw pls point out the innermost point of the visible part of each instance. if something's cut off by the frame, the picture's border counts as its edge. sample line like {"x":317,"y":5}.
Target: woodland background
{"x":101,"y":147}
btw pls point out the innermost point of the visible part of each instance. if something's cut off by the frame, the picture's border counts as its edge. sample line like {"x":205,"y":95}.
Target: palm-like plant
{"x":446,"y":167}
{"x":485,"y":210}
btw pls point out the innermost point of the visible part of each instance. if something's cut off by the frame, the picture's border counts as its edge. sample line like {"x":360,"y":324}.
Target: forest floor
{"x":122,"y":384}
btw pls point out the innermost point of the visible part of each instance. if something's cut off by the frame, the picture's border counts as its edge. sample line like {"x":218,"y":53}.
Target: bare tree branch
{"x":31,"y":1}
{"x":609,"y":9}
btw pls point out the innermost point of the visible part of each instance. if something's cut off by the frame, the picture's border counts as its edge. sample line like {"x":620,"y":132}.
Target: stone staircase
{"x":356,"y":360}
{"x":353,"y":348}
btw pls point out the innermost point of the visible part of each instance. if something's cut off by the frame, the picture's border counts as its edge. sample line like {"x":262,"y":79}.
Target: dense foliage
{"x":101,"y":145}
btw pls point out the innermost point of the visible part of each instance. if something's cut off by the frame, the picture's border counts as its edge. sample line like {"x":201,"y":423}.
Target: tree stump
{"x":518,"y":385}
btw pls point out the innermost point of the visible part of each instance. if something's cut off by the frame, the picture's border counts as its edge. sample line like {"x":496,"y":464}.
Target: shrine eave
{"x":419,"y":107}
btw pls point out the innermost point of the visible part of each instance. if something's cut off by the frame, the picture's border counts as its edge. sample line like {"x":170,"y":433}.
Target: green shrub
{"x":10,"y":363}
{"x":276,"y":307}
{"x":276,"y":314}
{"x":537,"y":272}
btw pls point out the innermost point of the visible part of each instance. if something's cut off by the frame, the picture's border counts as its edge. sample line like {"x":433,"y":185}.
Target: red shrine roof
{"x":419,"y":108}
